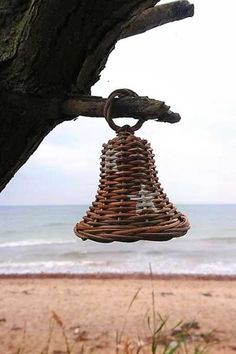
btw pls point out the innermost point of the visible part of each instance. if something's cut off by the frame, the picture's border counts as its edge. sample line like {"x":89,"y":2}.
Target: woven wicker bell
{"x":130,"y":204}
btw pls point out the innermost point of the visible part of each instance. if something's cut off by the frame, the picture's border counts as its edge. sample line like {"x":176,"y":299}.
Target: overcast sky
{"x":190,"y":65}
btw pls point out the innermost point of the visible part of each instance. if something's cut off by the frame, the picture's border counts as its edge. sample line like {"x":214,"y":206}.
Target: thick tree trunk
{"x":49,"y":46}
{"x":48,"y":50}
{"x":24,"y":122}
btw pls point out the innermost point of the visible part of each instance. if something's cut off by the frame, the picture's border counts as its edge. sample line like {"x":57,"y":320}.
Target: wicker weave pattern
{"x":130,"y":204}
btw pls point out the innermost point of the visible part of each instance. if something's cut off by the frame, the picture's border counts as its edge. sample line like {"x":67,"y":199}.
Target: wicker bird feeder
{"x":130,"y":204}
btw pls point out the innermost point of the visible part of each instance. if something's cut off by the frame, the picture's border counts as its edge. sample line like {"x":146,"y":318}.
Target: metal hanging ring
{"x":108,"y":105}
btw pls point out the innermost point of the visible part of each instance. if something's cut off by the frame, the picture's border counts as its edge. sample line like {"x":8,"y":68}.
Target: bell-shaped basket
{"x":130,"y":204}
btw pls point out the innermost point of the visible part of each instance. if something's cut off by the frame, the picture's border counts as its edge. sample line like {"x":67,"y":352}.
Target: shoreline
{"x":120,"y":276}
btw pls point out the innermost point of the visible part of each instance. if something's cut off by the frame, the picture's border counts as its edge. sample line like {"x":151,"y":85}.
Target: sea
{"x":40,"y":239}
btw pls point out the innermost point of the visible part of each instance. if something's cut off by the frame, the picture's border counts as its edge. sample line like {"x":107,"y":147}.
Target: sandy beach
{"x":84,"y":314}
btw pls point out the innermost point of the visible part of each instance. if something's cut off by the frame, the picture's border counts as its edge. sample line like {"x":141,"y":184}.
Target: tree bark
{"x":49,"y":49}
{"x":158,"y":16}
{"x":136,"y":107}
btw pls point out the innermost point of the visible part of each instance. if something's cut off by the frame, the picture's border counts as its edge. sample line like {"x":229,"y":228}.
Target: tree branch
{"x":157,"y":16}
{"x":135,"y":107}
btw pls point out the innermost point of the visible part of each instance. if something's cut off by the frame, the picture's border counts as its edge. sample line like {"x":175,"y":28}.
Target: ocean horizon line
{"x":87,"y":204}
